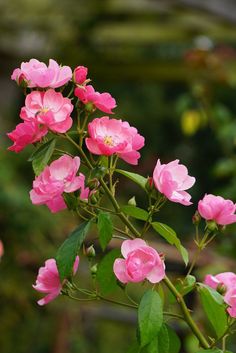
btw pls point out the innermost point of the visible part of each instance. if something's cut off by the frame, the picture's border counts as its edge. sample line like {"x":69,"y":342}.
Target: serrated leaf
{"x":150,"y":317}
{"x":136,"y":178}
{"x":105,"y":274}
{"x":174,"y":341}
{"x":105,"y":229}
{"x":170,"y":236}
{"x":215,"y":309}
{"x":135,"y":212}
{"x":42,"y":156}
{"x":67,"y":252}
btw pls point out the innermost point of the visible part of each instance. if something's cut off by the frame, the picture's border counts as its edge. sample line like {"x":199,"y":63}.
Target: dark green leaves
{"x":135,"y":212}
{"x":42,"y":155}
{"x":136,"y":178}
{"x":150,"y":317}
{"x":170,"y":236}
{"x":105,"y":229}
{"x":214,"y":307}
{"x":105,"y":275}
{"x":174,"y":341}
{"x":67,"y":252}
{"x":161,"y":343}
{"x":213,"y":350}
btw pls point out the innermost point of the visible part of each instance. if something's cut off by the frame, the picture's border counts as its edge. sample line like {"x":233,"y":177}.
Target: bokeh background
{"x":171,"y":65}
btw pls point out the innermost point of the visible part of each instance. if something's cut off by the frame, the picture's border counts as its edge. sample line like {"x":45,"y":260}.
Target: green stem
{"x":186,"y":314}
{"x":116,"y":302}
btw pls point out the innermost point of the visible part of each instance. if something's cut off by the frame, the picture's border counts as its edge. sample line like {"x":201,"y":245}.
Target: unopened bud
{"x":94,"y":270}
{"x":94,"y":198}
{"x":90,"y":251}
{"x":221,"y":288}
{"x":212,"y":225}
{"x":132,"y":201}
{"x":196,"y":219}
{"x":149,"y":184}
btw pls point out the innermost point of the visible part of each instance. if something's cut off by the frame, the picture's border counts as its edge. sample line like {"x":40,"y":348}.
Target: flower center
{"x":44,"y":110}
{"x":108,"y":140}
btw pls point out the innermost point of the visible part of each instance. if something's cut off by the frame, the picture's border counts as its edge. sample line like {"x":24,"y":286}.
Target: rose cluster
{"x":48,"y":110}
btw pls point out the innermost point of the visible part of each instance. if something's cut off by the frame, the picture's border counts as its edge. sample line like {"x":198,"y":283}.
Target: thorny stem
{"x":186,"y":313}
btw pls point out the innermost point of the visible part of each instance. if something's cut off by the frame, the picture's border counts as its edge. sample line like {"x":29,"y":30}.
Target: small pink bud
{"x":80,"y":75}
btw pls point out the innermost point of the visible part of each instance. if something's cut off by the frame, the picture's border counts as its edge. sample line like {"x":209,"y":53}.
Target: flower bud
{"x":196,"y":219}
{"x":94,"y":270}
{"x":132,"y":201}
{"x":149,"y":184}
{"x":221,"y":288}
{"x":90,"y":252}
{"x":80,"y":75}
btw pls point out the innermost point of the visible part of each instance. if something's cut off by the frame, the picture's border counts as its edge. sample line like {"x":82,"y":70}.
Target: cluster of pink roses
{"x":226,"y":283}
{"x":47,"y":110}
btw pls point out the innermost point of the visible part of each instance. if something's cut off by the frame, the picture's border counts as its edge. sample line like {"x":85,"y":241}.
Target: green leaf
{"x":160,"y":344}
{"x":174,"y":341}
{"x":41,"y":157}
{"x":135,"y":212}
{"x":105,"y":229}
{"x":150,"y":317}
{"x":67,"y":252}
{"x":213,"y":350}
{"x":105,"y":275}
{"x":214,"y":307}
{"x":170,"y":236}
{"x":136,"y":178}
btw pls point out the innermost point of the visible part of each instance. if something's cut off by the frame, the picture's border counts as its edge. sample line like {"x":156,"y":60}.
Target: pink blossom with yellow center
{"x":112,"y":136}
{"x":49,"y":108}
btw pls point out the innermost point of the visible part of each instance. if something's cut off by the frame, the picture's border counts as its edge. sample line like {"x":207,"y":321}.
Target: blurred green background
{"x":171,"y":65}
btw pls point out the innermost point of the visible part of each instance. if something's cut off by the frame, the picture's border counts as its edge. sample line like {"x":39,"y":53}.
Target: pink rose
{"x":216,"y":208}
{"x":172,"y":180}
{"x":48,"y":280}
{"x":1,"y":249}
{"x":140,"y":262}
{"x":228,"y":280}
{"x":49,"y":108}
{"x":80,"y":74}
{"x":55,"y":179}
{"x":111,"y":136}
{"x":230,"y":299}
{"x":102,"y":101}
{"x":26,"y":133}
{"x":37,"y":74}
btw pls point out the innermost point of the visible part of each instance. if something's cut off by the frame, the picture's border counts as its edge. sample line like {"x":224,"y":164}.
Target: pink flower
{"x":172,"y":180}
{"x":38,"y":74}
{"x":80,"y":74}
{"x":48,"y":280}
{"x":230,"y":299}
{"x":49,"y":108}
{"x":55,"y":179}
{"x":216,"y":208}
{"x":228,"y":280}
{"x":1,"y":249}
{"x":140,"y":262}
{"x":111,"y":136}
{"x":102,"y":101}
{"x":26,"y":133}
